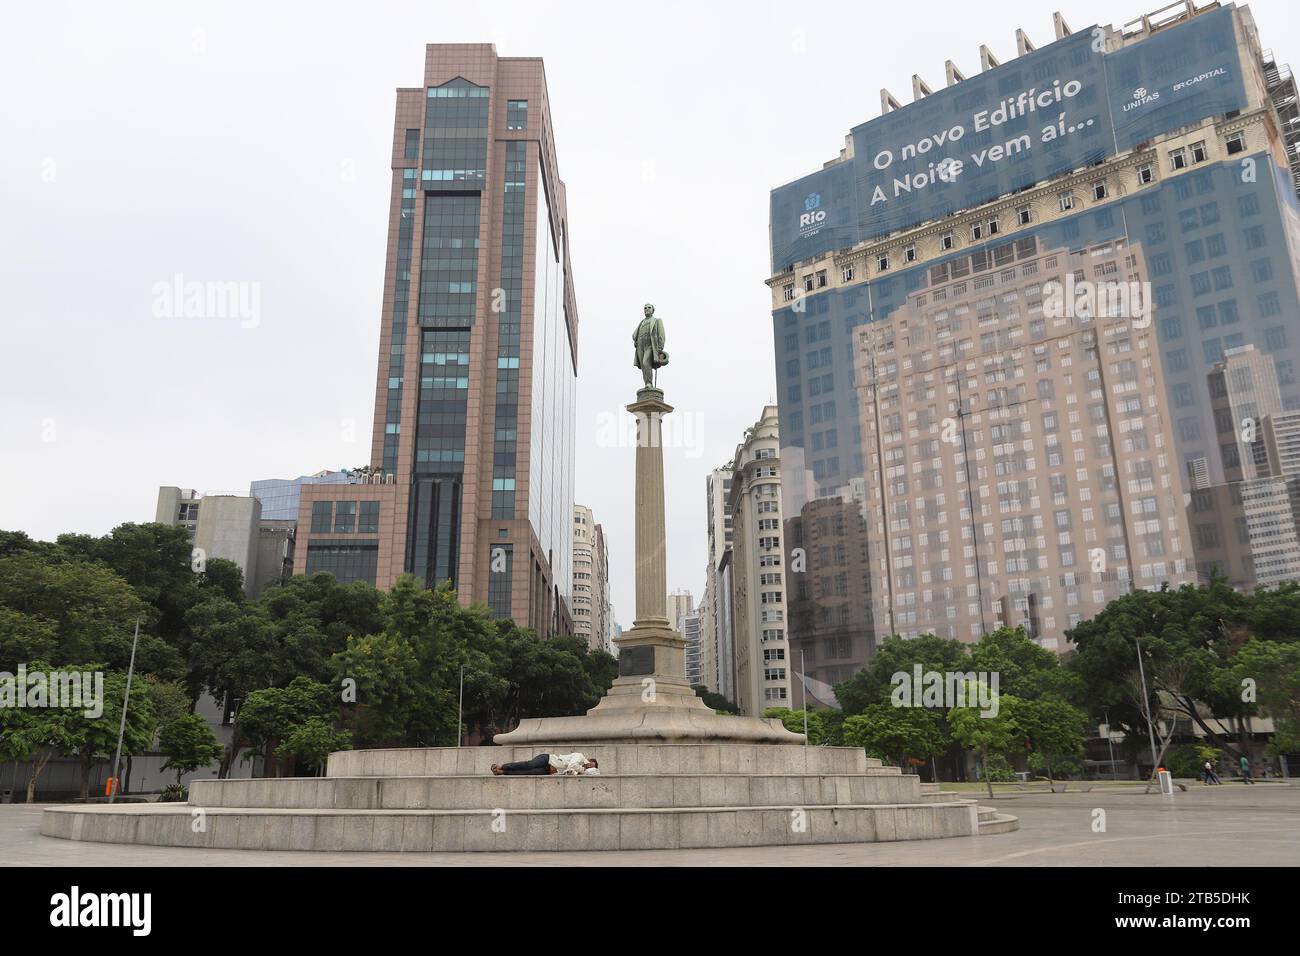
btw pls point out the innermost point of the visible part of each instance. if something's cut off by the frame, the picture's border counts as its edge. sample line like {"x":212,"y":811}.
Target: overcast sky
{"x":249,"y":142}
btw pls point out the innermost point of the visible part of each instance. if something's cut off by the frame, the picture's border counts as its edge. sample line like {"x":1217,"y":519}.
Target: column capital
{"x":650,"y":400}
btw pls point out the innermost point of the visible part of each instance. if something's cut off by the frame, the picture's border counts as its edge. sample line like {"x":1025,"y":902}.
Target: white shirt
{"x":568,"y":764}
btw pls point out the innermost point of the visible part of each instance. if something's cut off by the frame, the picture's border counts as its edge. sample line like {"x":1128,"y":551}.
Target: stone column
{"x":650,"y":700}
{"x":651,"y":535}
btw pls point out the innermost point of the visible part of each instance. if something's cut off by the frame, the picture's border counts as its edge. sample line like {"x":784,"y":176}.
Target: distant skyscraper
{"x":757,"y":578}
{"x":690,"y":631}
{"x":680,"y":603}
{"x":590,"y":580}
{"x":473,"y":438}
{"x":1243,"y":390}
{"x":717,"y":658}
{"x":1247,"y":528}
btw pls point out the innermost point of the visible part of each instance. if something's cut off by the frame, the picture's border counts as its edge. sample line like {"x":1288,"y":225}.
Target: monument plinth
{"x":650,"y":699}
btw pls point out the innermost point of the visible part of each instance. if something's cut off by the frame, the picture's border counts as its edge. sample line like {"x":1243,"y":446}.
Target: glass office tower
{"x":473,"y":442}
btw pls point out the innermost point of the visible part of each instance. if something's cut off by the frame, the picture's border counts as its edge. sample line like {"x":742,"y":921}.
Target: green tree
{"x":188,"y":743}
{"x":393,"y":694}
{"x":1272,"y":667}
{"x":982,"y":732}
{"x":897,"y":733}
{"x":156,"y":560}
{"x":823,"y":725}
{"x":94,"y":738}
{"x":873,"y":684}
{"x":269,"y":716}
{"x":91,"y":610}
{"x":25,"y":637}
{"x":1187,"y":637}
{"x":715,"y":701}
{"x":312,"y":742}
{"x":1052,"y":729}
{"x":224,"y":578}
{"x":36,"y":734}
{"x":1024,"y":669}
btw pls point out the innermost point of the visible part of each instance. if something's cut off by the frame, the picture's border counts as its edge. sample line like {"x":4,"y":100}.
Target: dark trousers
{"x":539,"y":766}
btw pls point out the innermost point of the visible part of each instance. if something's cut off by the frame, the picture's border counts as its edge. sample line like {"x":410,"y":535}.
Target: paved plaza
{"x":1206,"y":826}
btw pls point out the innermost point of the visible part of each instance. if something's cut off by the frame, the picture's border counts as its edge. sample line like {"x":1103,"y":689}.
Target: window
{"x":807,"y":283}
{"x":821,"y":279}
{"x":322,"y":515}
{"x":1178,"y":158}
{"x":412,"y":144}
{"x":1066,"y":201}
{"x":787,"y":292}
{"x":1146,"y":174}
{"x":345,"y":517}
{"x":945,"y":241}
{"x":1198,"y":152}
{"x":369,"y":521}
{"x":1236,"y":143}
{"x":516,"y":114}
{"x":1099,"y":189}
{"x":846,"y":274}
{"x":909,"y":254}
{"x":882,"y":262}
{"x":1025,"y":215}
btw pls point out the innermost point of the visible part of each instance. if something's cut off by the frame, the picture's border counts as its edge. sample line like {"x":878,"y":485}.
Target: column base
{"x":650,"y":701}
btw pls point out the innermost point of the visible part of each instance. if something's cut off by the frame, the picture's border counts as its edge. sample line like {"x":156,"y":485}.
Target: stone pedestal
{"x":650,"y":700}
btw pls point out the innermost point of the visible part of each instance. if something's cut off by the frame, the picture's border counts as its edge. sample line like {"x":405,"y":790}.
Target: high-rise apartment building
{"x":757,"y":577}
{"x":475,"y":396}
{"x":680,"y":603}
{"x":1171,"y":140}
{"x":591,"y":608}
{"x":690,"y":631}
{"x":717,"y":658}
{"x":1019,"y":460}
{"x":708,"y":678}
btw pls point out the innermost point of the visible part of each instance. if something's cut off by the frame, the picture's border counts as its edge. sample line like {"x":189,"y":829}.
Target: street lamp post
{"x":460,"y":708}
{"x":1146,"y":703}
{"x":1110,"y":741}
{"x":803,"y":680}
{"x":126,"y":699}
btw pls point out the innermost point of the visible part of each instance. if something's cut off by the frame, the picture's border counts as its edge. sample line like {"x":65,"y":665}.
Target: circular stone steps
{"x":171,"y":824}
{"x":606,"y":791}
{"x":613,"y":758}
{"x":647,"y":796}
{"x":994,"y":821}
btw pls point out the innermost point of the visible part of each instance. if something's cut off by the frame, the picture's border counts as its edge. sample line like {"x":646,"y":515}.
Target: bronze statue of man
{"x":648,"y":340}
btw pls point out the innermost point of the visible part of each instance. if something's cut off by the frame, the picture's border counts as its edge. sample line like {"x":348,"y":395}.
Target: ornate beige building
{"x":758,"y":585}
{"x":591,"y":611}
{"x":1019,"y":453}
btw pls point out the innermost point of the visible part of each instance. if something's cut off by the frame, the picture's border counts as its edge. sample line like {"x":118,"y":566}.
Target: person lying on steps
{"x":570,"y":765}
